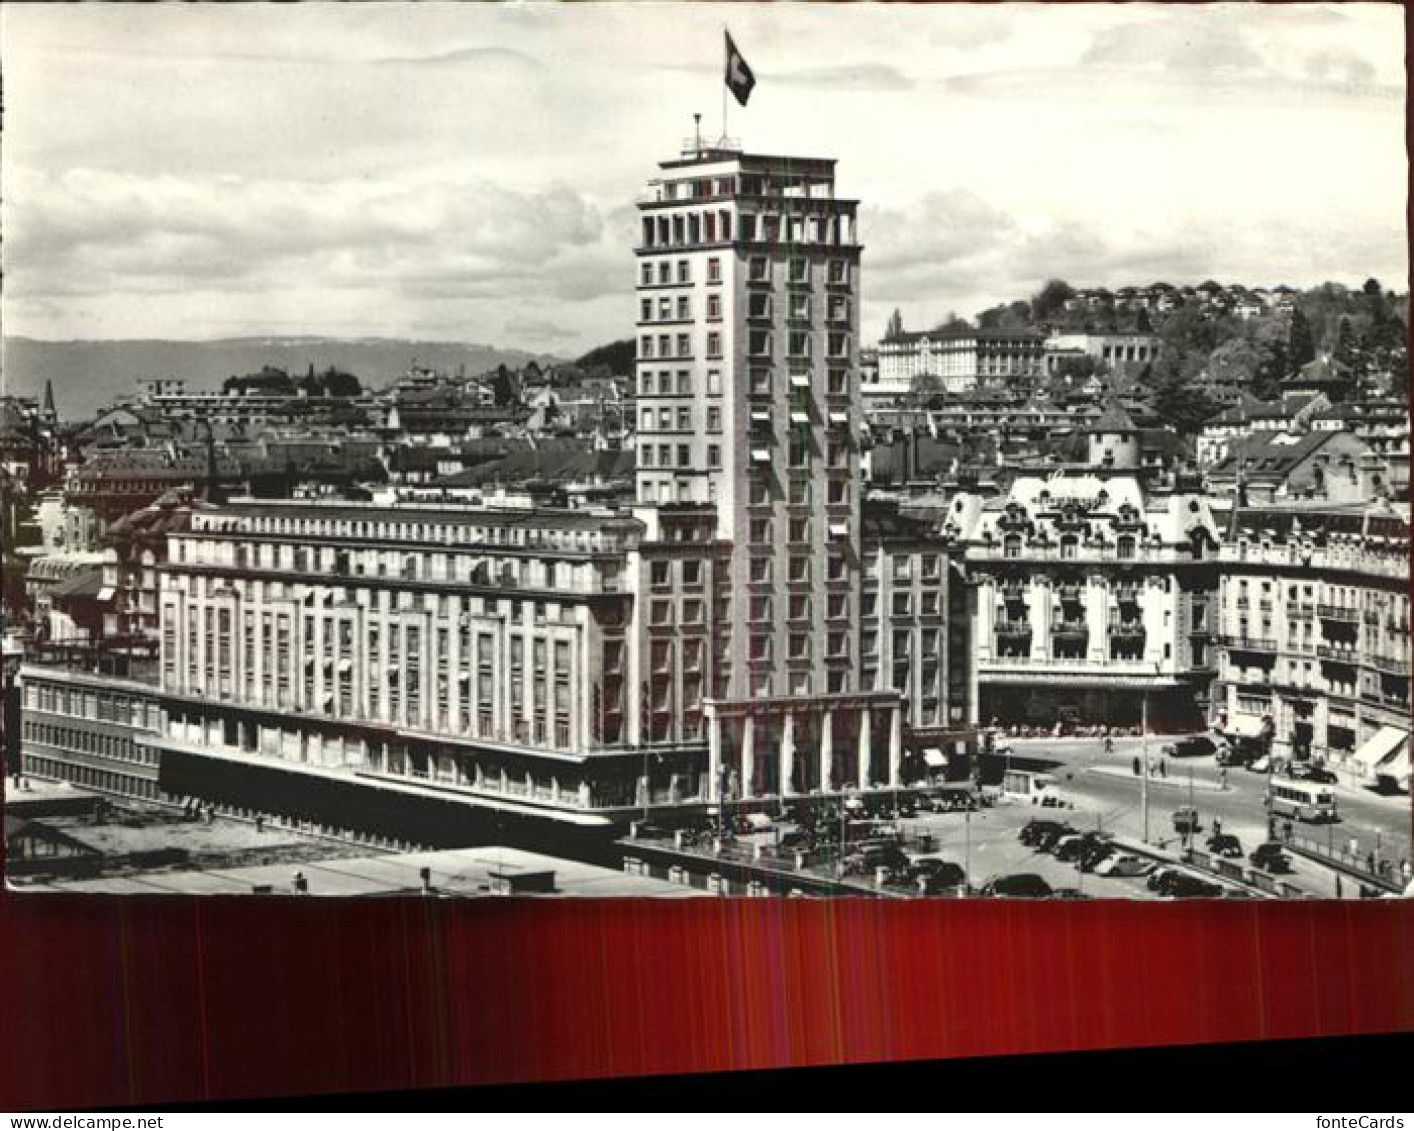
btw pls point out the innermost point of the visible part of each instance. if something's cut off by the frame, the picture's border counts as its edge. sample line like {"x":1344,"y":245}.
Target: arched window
{"x":1124,"y":546}
{"x":1011,"y":546}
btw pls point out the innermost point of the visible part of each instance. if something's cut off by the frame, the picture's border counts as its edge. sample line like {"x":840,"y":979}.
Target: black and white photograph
{"x":704,"y":450}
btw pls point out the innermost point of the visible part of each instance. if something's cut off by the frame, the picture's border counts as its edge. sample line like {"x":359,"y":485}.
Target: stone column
{"x":866,"y":741}
{"x":787,"y":754}
{"x":748,"y":755}
{"x":827,"y":752}
{"x":895,"y":746}
{"x":711,"y":789}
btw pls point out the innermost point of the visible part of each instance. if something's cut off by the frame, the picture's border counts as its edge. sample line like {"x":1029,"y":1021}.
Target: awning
{"x":800,"y":381}
{"x":800,"y":418}
{"x":1379,"y":746}
{"x":1245,"y":726}
{"x":839,"y":530}
{"x":1396,"y":768}
{"x":107,"y":593}
{"x":760,"y":416}
{"x":839,"y":418}
{"x":760,"y":455}
{"x":758,"y":820}
{"x":935,"y":757}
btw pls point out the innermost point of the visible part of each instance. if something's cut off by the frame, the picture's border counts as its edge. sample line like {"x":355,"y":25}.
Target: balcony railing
{"x":1388,"y":664}
{"x":1013,"y":628}
{"x":1338,"y":612}
{"x":1343,"y":655}
{"x":1070,"y":628}
{"x":1249,"y":643}
{"x":1127,"y":628}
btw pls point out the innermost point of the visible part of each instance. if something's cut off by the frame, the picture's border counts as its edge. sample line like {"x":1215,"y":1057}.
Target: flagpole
{"x":726,"y":35}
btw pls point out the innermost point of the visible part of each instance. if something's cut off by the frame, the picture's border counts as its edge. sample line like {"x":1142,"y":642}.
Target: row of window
{"x":677,"y":420}
{"x":668,"y":383}
{"x":87,"y":742}
{"x":104,"y":781}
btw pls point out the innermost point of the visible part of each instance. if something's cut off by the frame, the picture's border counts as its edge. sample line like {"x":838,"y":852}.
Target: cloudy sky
{"x":468,"y":171}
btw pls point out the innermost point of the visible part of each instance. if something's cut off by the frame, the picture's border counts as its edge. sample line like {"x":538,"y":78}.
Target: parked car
{"x":1181,"y":885}
{"x":1096,"y":854}
{"x":1225,"y":845}
{"x":1124,"y":864}
{"x":1067,"y":849}
{"x":1049,"y":838}
{"x":1194,"y":746}
{"x":1160,"y":876}
{"x":1270,"y":858}
{"x":1025,"y":885}
{"x":944,"y":873}
{"x":1032,"y":831}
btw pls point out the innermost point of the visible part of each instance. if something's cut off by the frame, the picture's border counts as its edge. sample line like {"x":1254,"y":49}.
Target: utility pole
{"x":1144,"y":760}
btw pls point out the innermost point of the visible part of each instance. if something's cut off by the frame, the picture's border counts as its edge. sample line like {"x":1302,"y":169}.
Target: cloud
{"x":490,"y":56}
{"x":1339,"y":67}
{"x":858,"y":77}
{"x":1184,"y":42}
{"x":93,"y":232}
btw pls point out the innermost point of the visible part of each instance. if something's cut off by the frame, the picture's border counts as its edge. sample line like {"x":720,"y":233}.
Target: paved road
{"x":1105,"y":789}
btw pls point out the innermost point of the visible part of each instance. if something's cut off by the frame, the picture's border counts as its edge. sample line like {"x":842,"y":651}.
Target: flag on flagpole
{"x":739,"y":78}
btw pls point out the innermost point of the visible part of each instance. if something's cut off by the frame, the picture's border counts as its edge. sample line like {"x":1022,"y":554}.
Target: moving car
{"x":1270,"y":857}
{"x":1304,"y":771}
{"x":1225,"y":845}
{"x":1195,"y":746}
{"x":1025,"y":885}
{"x":1185,"y":820}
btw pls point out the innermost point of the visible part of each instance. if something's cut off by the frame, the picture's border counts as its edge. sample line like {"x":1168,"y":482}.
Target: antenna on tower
{"x":697,"y":131}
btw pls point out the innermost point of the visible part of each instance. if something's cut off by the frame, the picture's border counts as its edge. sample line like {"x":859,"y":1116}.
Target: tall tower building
{"x":748,"y":276}
{"x":748,"y":351}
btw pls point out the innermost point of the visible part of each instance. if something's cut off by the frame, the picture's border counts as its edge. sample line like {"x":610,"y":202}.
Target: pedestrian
{"x":259,"y":823}
{"x":1109,"y":745}
{"x":1406,"y":870}
{"x":1222,"y":777}
{"x":1370,"y":861}
{"x":1217,"y":826}
{"x":1288,"y":830}
{"x":1163,"y":768}
{"x":300,"y":884}
{"x":1136,"y":765}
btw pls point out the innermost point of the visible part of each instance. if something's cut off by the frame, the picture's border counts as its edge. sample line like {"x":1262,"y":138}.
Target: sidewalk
{"x":1174,"y":780}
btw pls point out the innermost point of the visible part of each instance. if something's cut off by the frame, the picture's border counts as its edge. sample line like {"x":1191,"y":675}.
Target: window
{"x":837,"y":607}
{"x":684,"y":271}
{"x":714,"y":419}
{"x":839,"y":271}
{"x":645,"y":310}
{"x":714,"y":382}
{"x":645,"y":346}
{"x":758,"y":343}
{"x":838,"y":382}
{"x":660,"y":574}
{"x":760,"y":569}
{"x":799,"y":646}
{"x":799,"y":271}
{"x":761,"y":382}
{"x":759,"y":530}
{"x":839,"y":345}
{"x":684,"y":382}
{"x":799,"y":567}
{"x":714,"y":270}
{"x":760,"y":609}
{"x":758,"y":305}
{"x":646,"y":424}
{"x":684,"y":456}
{"x":684,"y":419}
{"x":800,"y":307}
{"x":646,"y":454}
{"x":646,"y":274}
{"x":800,"y":607}
{"x":799,"y":344}
{"x":714,"y":344}
{"x":714,"y":307}
{"x":714,"y":456}
{"x":684,"y":345}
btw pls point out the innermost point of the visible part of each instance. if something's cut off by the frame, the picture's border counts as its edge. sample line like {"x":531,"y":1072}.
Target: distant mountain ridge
{"x":89,"y":374}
